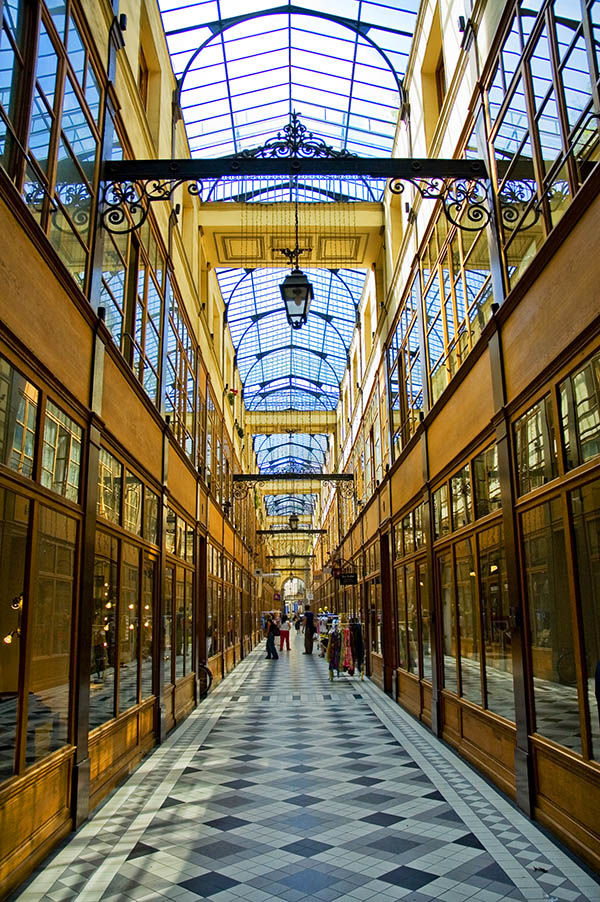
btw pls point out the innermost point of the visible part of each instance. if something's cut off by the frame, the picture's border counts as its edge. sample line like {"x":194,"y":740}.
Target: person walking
{"x":309,"y":630}
{"x":270,"y":633}
{"x":284,"y":632}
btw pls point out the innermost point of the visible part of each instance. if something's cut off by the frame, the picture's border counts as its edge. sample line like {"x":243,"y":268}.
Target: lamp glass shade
{"x":297,"y":293}
{"x":293,"y":521}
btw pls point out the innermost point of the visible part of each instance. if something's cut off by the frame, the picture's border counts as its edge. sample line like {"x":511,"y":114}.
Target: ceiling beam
{"x":272,"y":422}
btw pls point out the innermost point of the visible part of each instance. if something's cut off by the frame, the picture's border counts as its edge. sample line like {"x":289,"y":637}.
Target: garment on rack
{"x":347,"y":655}
{"x":359,"y":647}
{"x":334,"y":649}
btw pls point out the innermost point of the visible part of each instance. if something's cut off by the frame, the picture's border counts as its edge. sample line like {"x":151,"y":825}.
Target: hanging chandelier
{"x":296,"y":290}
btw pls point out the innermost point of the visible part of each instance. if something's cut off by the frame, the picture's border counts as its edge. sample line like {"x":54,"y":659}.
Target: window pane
{"x":18,"y":416}
{"x":14,"y":519}
{"x":536,"y":447}
{"x":401,"y":613}
{"x":150,"y":516}
{"x":580,"y":413}
{"x":441,"y":513}
{"x":460,"y":488}
{"x":49,"y":638}
{"x":412,"y":630}
{"x":552,"y":658}
{"x":168,"y":626}
{"x":423,"y":580}
{"x":487,"y":482}
{"x":128,"y":627}
{"x":61,"y":453}
{"x":189,"y":619}
{"x":468,"y":618}
{"x":132,"y":508}
{"x":104,"y":631}
{"x":147,"y":621}
{"x":170,"y":531}
{"x":179,"y":624}
{"x":448,"y":622}
{"x":586,"y":520}
{"x":110,"y":477}
{"x":375,"y":612}
{"x":496,"y":624}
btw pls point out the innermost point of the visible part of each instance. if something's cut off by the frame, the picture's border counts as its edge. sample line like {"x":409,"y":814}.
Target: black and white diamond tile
{"x":283,"y":785}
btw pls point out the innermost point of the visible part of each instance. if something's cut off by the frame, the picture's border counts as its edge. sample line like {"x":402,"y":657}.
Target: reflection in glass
{"x":552,"y":654}
{"x":104,"y":631}
{"x":61,"y":454}
{"x":129,"y":626}
{"x":536,"y":446}
{"x":170,"y":531}
{"x":423,"y":588}
{"x":448,"y":622}
{"x":580,"y":413}
{"x":585,"y":504}
{"x":468,"y":620}
{"x":412,"y":629}
{"x":147,"y":623}
{"x":150,"y":516}
{"x":18,"y":415}
{"x":179,"y":624}
{"x":460,"y":489}
{"x":14,"y":519}
{"x":487,"y":482}
{"x":401,"y":609}
{"x":110,"y":478}
{"x":168,"y":626}
{"x":441,"y":512}
{"x":132,"y":507}
{"x":496,"y":623}
{"x":49,"y":635}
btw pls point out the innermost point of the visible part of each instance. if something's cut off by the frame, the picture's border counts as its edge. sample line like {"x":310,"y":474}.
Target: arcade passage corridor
{"x":283,"y":785}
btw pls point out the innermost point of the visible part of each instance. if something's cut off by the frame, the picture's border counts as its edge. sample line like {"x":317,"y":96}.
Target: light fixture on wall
{"x":296,"y":290}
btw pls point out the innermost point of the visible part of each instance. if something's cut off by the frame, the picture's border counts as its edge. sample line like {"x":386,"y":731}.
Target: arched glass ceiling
{"x":283,"y":368}
{"x":285,"y":505}
{"x":244,"y":67}
{"x":291,"y":453}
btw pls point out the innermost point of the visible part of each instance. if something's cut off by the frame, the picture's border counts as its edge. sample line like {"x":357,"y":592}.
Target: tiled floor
{"x":282,"y":785}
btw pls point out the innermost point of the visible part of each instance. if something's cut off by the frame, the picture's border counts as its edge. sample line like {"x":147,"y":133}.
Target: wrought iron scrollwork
{"x":294,"y":140}
{"x":125,"y":205}
{"x":241,"y":490}
{"x":466,"y":202}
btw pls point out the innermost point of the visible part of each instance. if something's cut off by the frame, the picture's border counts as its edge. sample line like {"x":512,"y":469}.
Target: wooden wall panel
{"x":449,"y":433}
{"x":34,"y":815}
{"x":556,"y":309}
{"x":377,"y":669}
{"x":371,"y":519}
{"x":184,"y":697}
{"x":407,"y":481}
{"x":409,"y":692}
{"x":215,"y":527}
{"x":568,"y":799}
{"x":182,"y":483}
{"x":45,"y":319}
{"x":490,"y":745}
{"x":228,"y":538}
{"x":116,"y":748}
{"x":129,"y":420}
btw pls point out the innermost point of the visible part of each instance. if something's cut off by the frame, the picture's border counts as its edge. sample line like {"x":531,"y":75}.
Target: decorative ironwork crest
{"x":125,"y":205}
{"x":296,"y":142}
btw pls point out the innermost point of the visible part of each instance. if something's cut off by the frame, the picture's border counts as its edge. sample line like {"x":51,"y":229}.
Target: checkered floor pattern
{"x":282,"y":785}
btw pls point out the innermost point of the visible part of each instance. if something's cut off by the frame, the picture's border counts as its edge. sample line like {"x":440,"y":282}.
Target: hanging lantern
{"x":294,"y":521}
{"x":297,"y":293}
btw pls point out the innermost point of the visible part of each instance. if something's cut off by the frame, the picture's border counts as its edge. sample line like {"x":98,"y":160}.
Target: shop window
{"x":585,"y":503}
{"x":180,"y":538}
{"x":412,"y":632}
{"x":424,"y":606}
{"x":420,"y":531}
{"x":132,"y":506}
{"x":408,"y":534}
{"x":147,"y":622}
{"x":550,"y":628}
{"x":486,"y":480}
{"x":535,"y":447}
{"x":497,"y":642}
{"x":167,"y":625}
{"x":580,"y":413}
{"x":189,"y":621}
{"x":468,"y":621}
{"x":49,"y":635}
{"x":110,"y":487}
{"x":104,"y":631}
{"x":441,"y":511}
{"x":18,"y":419}
{"x":129,"y":618}
{"x":14,"y":523}
{"x":170,"y":532}
{"x":180,"y":623}
{"x":449,"y":638}
{"x":61,"y":454}
{"x":150,"y":516}
{"x":460,"y":491}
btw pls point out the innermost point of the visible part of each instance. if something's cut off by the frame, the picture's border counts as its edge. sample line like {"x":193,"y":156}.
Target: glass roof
{"x":291,"y":452}
{"x":283,"y":368}
{"x":243,"y":69}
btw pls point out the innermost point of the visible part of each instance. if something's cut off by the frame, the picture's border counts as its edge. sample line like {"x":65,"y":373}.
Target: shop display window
{"x":550,"y":625}
{"x":61,"y":453}
{"x":170,"y":532}
{"x":150,"y":516}
{"x":147,"y":621}
{"x":104,"y":630}
{"x":585,"y":505}
{"x":460,"y":491}
{"x":449,"y":639}
{"x":180,"y":623}
{"x":468,"y":620}
{"x":129,"y":619}
{"x":18,"y":419}
{"x":497,"y":637}
{"x":580,"y":413}
{"x":486,"y":480}
{"x":110,"y":487}
{"x":441,"y":511}
{"x":167,"y":624}
{"x":132,"y":508}
{"x":535,"y":447}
